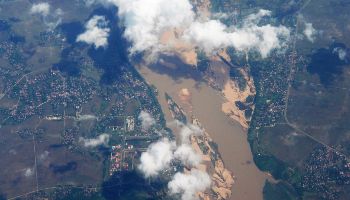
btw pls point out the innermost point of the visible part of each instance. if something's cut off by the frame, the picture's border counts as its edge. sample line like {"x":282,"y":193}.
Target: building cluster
{"x":325,"y":172}
{"x":125,"y":156}
{"x":13,"y":56}
{"x":34,"y":92}
{"x":116,"y":159}
{"x":272,"y":88}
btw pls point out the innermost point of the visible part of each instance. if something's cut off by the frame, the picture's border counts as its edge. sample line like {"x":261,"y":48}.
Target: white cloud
{"x":28,"y":172}
{"x":255,"y":18}
{"x":90,"y":2}
{"x":157,"y":157}
{"x":208,"y":35}
{"x":147,"y":121}
{"x":51,"y":19}
{"x":160,"y":154}
{"x":42,"y":157}
{"x":310,"y":32}
{"x":146,"y":22}
{"x":40,"y":8}
{"x":187,"y":155}
{"x":102,"y":139}
{"x":188,"y":184}
{"x":187,"y":130}
{"x":213,"y":35}
{"x":96,"y":32}
{"x":342,"y":53}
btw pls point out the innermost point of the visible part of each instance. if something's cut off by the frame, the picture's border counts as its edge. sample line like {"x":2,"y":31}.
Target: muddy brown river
{"x":206,"y":106}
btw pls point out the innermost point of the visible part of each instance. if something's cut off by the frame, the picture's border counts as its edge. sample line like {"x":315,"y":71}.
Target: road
{"x":292,"y":70}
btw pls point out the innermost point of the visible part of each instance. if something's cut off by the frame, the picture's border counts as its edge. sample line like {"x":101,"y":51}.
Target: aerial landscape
{"x":174,"y":99}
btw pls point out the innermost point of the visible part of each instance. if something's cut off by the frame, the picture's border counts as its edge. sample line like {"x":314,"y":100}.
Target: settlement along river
{"x":206,"y":106}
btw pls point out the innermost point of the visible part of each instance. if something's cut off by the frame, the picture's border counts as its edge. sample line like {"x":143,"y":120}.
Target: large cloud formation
{"x":96,"y":33}
{"x":147,"y":20}
{"x":212,"y":35}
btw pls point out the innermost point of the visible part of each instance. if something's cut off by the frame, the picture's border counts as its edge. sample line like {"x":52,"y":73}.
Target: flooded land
{"x":171,"y":76}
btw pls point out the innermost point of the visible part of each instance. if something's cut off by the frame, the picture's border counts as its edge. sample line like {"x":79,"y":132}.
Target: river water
{"x":206,"y":106}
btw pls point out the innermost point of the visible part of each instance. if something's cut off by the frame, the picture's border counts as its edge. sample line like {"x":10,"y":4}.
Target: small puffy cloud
{"x":102,"y":139}
{"x":342,"y":53}
{"x":51,"y":19}
{"x":187,"y":155}
{"x":157,"y":157}
{"x":188,"y":184}
{"x":147,"y":121}
{"x":42,"y":157}
{"x":96,"y":33}
{"x":255,"y":18}
{"x":308,"y":29}
{"x":90,"y":2}
{"x":310,"y":32}
{"x":40,"y":8}
{"x":28,"y":172}
{"x":187,"y":130}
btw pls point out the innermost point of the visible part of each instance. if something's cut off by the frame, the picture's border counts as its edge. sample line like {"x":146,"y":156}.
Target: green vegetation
{"x":56,"y":95}
{"x":300,"y":95}
{"x":279,"y":191}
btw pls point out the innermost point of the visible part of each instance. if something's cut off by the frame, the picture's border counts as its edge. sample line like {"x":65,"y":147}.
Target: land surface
{"x":55,"y":93}
{"x":297,"y":131}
